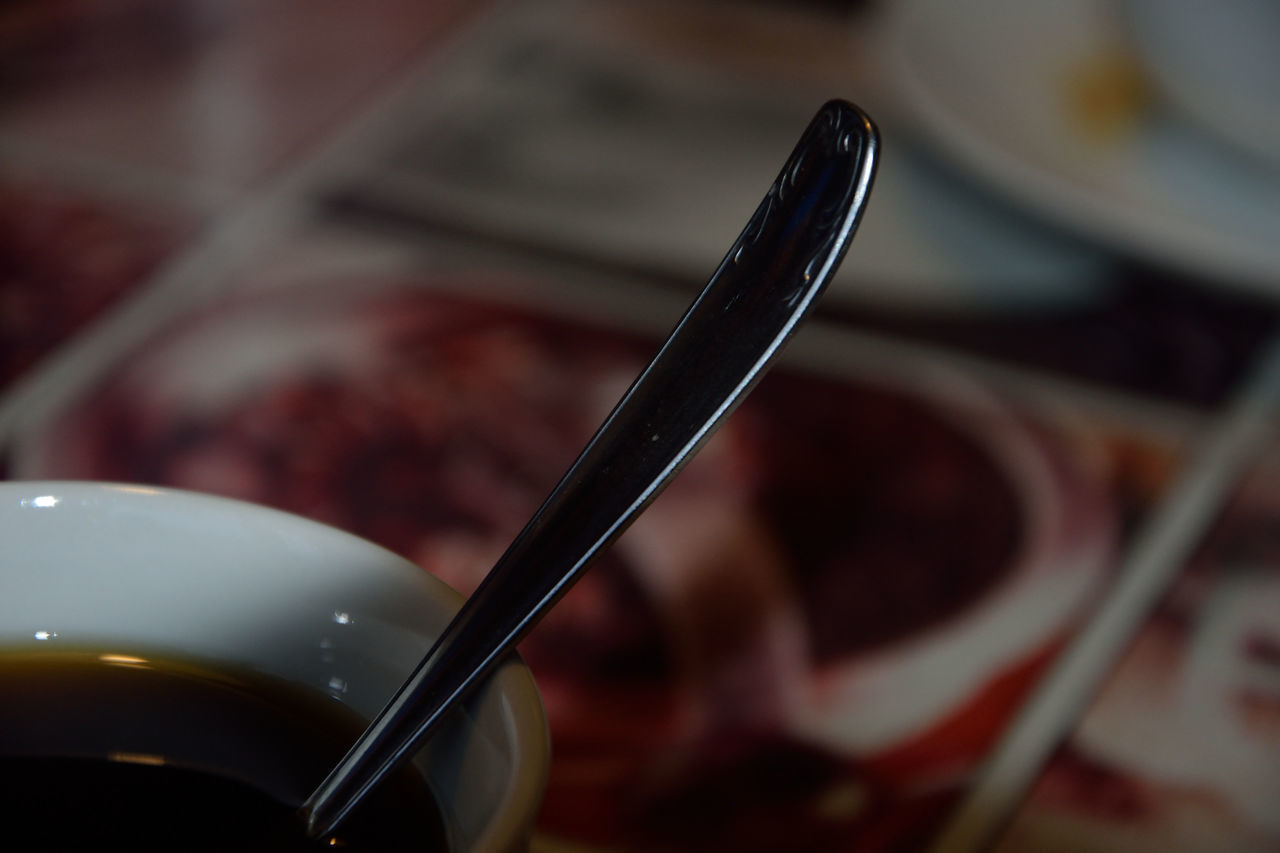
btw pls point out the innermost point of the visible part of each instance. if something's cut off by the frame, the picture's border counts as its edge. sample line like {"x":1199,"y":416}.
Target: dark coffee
{"x":169,"y":755}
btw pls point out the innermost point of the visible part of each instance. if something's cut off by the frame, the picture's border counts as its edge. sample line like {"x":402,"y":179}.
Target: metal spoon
{"x":731,"y":333}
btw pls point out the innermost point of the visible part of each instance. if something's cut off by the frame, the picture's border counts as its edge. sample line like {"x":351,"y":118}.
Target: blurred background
{"x":389,"y":264}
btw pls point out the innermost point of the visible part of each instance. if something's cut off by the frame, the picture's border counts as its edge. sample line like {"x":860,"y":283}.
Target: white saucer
{"x":991,"y":82}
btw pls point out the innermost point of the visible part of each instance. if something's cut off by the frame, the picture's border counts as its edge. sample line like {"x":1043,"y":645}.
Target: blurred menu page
{"x":642,"y":135}
{"x":815,"y":636}
{"x":556,"y":125}
{"x":810,"y":641}
{"x":639,"y":136}
{"x":1180,"y":748}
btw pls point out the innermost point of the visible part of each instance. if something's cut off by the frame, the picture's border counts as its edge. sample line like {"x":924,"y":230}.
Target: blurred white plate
{"x":1041,"y":101}
{"x":1217,"y":62}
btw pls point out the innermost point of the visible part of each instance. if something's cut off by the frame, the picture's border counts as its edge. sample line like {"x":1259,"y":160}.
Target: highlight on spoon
{"x":765,"y":286}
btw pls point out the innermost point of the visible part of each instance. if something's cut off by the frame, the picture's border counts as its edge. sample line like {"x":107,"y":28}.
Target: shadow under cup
{"x":130,"y":570}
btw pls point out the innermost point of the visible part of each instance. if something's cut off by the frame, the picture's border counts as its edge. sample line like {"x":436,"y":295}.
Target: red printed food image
{"x":818,"y":628}
{"x":63,"y":259}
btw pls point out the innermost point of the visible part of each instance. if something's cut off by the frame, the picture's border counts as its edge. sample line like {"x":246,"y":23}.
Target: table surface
{"x":988,"y":562}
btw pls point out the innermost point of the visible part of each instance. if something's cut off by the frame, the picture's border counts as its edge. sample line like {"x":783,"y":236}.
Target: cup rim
{"x":512,"y":688}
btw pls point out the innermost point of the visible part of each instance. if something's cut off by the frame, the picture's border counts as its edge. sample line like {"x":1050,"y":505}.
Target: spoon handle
{"x":731,"y":333}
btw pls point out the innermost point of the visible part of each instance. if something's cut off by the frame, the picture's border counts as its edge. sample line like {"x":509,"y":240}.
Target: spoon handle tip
{"x":766,"y":284}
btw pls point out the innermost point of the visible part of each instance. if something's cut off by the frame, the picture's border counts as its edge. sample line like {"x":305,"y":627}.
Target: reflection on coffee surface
{"x":171,"y":755}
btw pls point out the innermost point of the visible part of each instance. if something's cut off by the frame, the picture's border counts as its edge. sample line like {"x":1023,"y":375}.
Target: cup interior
{"x":126,"y":568}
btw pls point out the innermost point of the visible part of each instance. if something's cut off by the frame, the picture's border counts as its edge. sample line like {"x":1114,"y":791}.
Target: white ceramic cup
{"x":125,"y":567}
